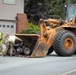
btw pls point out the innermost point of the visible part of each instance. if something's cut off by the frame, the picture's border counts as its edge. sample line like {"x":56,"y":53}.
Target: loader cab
{"x":71,"y":12}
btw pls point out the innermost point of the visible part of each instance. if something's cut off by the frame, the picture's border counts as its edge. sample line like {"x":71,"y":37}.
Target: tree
{"x":36,"y":9}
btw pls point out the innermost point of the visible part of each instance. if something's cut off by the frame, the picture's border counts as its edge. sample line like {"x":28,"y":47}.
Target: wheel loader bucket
{"x":37,"y":46}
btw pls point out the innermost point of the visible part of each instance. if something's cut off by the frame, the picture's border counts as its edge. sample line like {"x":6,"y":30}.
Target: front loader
{"x":55,"y":34}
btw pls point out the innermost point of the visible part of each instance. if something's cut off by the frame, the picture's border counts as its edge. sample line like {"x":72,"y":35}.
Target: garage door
{"x":7,"y":26}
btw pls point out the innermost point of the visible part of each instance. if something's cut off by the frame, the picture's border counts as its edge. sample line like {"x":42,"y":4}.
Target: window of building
{"x":8,"y":26}
{"x":9,"y":1}
{"x":12,"y":26}
{"x":3,"y":26}
{"x":0,"y":25}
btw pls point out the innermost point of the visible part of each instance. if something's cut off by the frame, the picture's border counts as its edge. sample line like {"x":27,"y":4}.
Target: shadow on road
{"x":54,"y":55}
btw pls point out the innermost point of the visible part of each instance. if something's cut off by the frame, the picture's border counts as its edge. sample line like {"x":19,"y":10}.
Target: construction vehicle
{"x":56,"y":34}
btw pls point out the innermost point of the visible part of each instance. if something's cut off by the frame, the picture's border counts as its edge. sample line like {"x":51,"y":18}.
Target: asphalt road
{"x":49,"y":65}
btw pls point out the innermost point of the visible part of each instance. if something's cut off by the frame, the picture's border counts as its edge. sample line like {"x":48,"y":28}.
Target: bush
{"x":32,"y":29}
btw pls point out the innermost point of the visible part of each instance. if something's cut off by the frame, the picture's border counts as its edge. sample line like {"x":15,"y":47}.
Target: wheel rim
{"x":68,"y":43}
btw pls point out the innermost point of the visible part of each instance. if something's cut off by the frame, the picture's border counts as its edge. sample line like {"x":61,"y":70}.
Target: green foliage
{"x":58,"y":9}
{"x":50,"y":7}
{"x":32,"y":29}
{"x":55,"y":8}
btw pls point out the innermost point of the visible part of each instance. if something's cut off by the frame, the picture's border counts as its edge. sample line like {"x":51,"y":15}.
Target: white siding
{"x":9,"y":12}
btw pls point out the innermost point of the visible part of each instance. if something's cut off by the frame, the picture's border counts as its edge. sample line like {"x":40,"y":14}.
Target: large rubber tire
{"x":60,"y":46}
{"x":50,"y":50}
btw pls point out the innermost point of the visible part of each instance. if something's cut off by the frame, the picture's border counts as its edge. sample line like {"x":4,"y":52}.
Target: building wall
{"x":9,"y":11}
{"x":12,"y":15}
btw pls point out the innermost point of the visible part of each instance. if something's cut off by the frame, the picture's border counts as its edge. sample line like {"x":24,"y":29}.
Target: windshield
{"x":71,"y":12}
